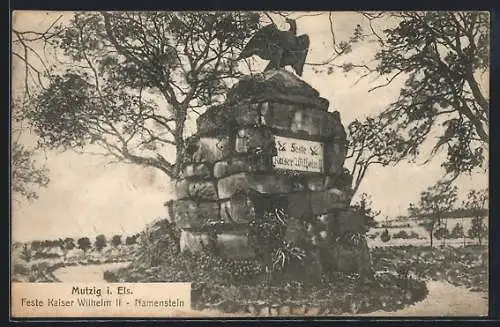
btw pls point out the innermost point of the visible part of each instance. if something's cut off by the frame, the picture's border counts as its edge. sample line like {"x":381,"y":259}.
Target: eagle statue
{"x":281,"y":48}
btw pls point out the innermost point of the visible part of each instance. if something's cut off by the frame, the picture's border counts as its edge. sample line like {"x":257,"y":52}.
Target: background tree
{"x":133,"y":79}
{"x":385,"y":237}
{"x":116,"y":240}
{"x":442,"y":56}
{"x":129,"y":240}
{"x":458,"y":232}
{"x":84,"y":244}
{"x":476,"y":204}
{"x":434,"y":203}
{"x":365,"y":207}
{"x":100,"y":242}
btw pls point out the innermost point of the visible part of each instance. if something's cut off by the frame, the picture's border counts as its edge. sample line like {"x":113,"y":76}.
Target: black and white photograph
{"x":282,"y":163}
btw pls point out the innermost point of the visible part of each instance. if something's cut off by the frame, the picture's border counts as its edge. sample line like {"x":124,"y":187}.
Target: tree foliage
{"x":434,"y":202}
{"x":84,"y":244}
{"x":476,"y":203}
{"x":116,"y":240}
{"x":370,"y":142}
{"x":134,"y":77}
{"x":100,"y":242}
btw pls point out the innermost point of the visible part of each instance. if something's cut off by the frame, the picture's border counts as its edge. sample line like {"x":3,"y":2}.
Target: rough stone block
{"x":322,"y":202}
{"x":196,"y":171}
{"x":299,"y":205}
{"x":249,"y":140}
{"x":200,"y":190}
{"x":208,"y":149}
{"x":230,"y":167}
{"x":246,"y":114}
{"x":278,"y":115}
{"x":308,"y":121}
{"x":331,"y":126}
{"x":262,"y":183}
{"x":190,"y":214}
{"x":194,"y":241}
{"x":316,"y":183}
{"x":237,"y":210}
{"x":346,"y":258}
{"x":234,"y":245}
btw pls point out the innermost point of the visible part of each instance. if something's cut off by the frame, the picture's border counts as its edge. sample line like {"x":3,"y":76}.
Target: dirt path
{"x":88,"y":273}
{"x":444,"y":299}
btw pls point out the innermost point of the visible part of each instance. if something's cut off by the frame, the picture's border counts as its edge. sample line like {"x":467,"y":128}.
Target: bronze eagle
{"x":281,"y":48}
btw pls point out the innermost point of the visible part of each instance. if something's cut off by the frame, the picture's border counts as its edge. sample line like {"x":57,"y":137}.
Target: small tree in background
{"x":130,"y":240}
{"x":100,"y":242}
{"x":433,"y":204}
{"x":116,"y":240}
{"x":84,"y":244}
{"x":385,"y":237}
{"x":458,"y":232}
{"x":476,"y":204}
{"x":36,"y":245}
{"x":365,"y":209}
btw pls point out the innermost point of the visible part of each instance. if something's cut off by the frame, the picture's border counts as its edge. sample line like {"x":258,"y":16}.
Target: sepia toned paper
{"x":276,"y":164}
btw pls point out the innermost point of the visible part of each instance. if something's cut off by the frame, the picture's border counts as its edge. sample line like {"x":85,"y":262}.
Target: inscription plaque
{"x":299,"y":155}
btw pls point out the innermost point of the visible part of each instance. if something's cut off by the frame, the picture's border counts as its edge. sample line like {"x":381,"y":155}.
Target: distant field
{"x":423,"y":235}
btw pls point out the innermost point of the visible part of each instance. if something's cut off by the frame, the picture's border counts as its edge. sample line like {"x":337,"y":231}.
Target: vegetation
{"x":100,"y":242}
{"x":434,"y":202}
{"x":385,"y":237}
{"x":84,"y":244}
{"x":476,"y":202}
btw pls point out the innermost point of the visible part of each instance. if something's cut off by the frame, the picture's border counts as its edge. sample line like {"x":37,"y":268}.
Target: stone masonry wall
{"x":230,"y":158}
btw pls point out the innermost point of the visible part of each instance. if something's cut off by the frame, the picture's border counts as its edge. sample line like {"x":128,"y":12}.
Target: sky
{"x":87,"y":196}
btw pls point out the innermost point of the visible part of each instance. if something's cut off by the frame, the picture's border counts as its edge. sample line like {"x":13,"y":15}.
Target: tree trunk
{"x":430,"y":234}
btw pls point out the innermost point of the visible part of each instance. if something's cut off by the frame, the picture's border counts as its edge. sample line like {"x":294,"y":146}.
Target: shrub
{"x":385,"y":237}
{"x":401,"y":234}
{"x":43,"y":255}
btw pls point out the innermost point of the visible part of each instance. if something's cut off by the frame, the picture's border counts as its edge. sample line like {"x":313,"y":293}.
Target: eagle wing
{"x":260,"y":42}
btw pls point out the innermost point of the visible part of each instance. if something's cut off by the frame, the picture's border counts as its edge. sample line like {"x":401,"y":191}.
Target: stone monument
{"x":273,"y":142}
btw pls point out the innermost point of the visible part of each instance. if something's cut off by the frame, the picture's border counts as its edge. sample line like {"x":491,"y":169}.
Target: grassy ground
{"x":401,"y":274}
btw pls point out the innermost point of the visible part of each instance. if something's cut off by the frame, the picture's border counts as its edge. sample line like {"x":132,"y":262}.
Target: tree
{"x":434,"y":203}
{"x":442,"y":55}
{"x":36,"y":245}
{"x":116,"y":240}
{"x":364,"y":208}
{"x":458,"y":232}
{"x":84,"y":244}
{"x":26,"y":253}
{"x":475,"y":203}
{"x":100,"y":242}
{"x":27,"y":175}
{"x":477,"y":230}
{"x":133,"y":79}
